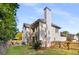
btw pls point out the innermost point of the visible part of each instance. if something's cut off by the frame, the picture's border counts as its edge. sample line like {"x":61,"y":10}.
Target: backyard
{"x":26,"y":50}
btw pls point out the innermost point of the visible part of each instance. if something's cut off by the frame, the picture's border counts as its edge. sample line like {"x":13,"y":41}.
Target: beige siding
{"x":63,"y":38}
{"x":55,"y":35}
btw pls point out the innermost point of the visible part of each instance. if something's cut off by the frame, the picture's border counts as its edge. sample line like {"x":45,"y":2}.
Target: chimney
{"x":47,"y":15}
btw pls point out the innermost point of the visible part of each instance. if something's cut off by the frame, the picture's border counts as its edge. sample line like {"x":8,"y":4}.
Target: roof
{"x":47,"y":8}
{"x":26,"y":25}
{"x":40,"y":20}
{"x":43,"y":21}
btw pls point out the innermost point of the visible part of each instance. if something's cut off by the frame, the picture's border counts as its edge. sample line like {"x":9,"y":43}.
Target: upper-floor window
{"x":56,"y":30}
{"x":49,"y":32}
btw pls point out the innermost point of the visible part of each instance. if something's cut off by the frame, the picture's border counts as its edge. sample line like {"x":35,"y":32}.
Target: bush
{"x":19,"y":36}
{"x":36,"y":44}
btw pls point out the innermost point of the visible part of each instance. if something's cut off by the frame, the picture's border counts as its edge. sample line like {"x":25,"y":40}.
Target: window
{"x":49,"y":38}
{"x":56,"y":30}
{"x":49,"y":32}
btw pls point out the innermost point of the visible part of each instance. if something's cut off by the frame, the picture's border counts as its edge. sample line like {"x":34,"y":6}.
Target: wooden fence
{"x":65,"y":45}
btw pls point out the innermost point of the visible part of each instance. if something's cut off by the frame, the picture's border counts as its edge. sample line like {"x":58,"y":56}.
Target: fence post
{"x":59,"y":44}
{"x":68,"y":45}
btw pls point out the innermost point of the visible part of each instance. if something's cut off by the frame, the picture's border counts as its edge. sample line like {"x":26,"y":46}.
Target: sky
{"x":63,"y":14}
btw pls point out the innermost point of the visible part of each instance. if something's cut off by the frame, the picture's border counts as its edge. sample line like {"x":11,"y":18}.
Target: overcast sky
{"x":64,"y":15}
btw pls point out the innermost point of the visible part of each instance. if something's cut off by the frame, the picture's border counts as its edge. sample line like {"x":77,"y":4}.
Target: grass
{"x":61,"y":52}
{"x":19,"y":50}
{"x":25,"y":50}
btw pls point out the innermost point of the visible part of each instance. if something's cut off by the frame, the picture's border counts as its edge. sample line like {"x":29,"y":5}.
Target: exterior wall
{"x":42,"y":33}
{"x":76,"y":38}
{"x":40,"y":36}
{"x":37,"y":33}
{"x":55,"y":35}
{"x":24,"y":36}
{"x":63,"y":38}
{"x":48,"y":26}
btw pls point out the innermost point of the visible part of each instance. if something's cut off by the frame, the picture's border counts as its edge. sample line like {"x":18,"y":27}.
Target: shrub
{"x":36,"y":44}
{"x":19,"y":36}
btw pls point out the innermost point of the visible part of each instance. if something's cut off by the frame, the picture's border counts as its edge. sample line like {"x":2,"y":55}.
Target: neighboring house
{"x":42,"y":29}
{"x":63,"y":37}
{"x":70,"y":37}
{"x":76,"y":38}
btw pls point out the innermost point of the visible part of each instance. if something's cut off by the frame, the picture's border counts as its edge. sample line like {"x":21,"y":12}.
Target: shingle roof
{"x":26,"y":25}
{"x":42,"y":20}
{"x":47,"y":8}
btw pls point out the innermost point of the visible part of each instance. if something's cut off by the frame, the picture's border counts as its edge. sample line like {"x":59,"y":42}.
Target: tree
{"x":8,"y":23}
{"x":65,"y":33}
{"x":77,"y":34}
{"x":19,"y":35}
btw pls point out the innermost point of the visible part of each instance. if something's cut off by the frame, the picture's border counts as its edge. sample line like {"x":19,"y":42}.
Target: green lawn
{"x":25,"y":50}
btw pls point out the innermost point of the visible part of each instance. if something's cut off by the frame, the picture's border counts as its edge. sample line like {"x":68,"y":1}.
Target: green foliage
{"x":19,"y":35}
{"x":36,"y":44}
{"x":24,"y":50}
{"x":8,"y":19}
{"x":65,"y":33}
{"x":50,"y":51}
{"x":19,"y":50}
{"x":77,"y":34}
